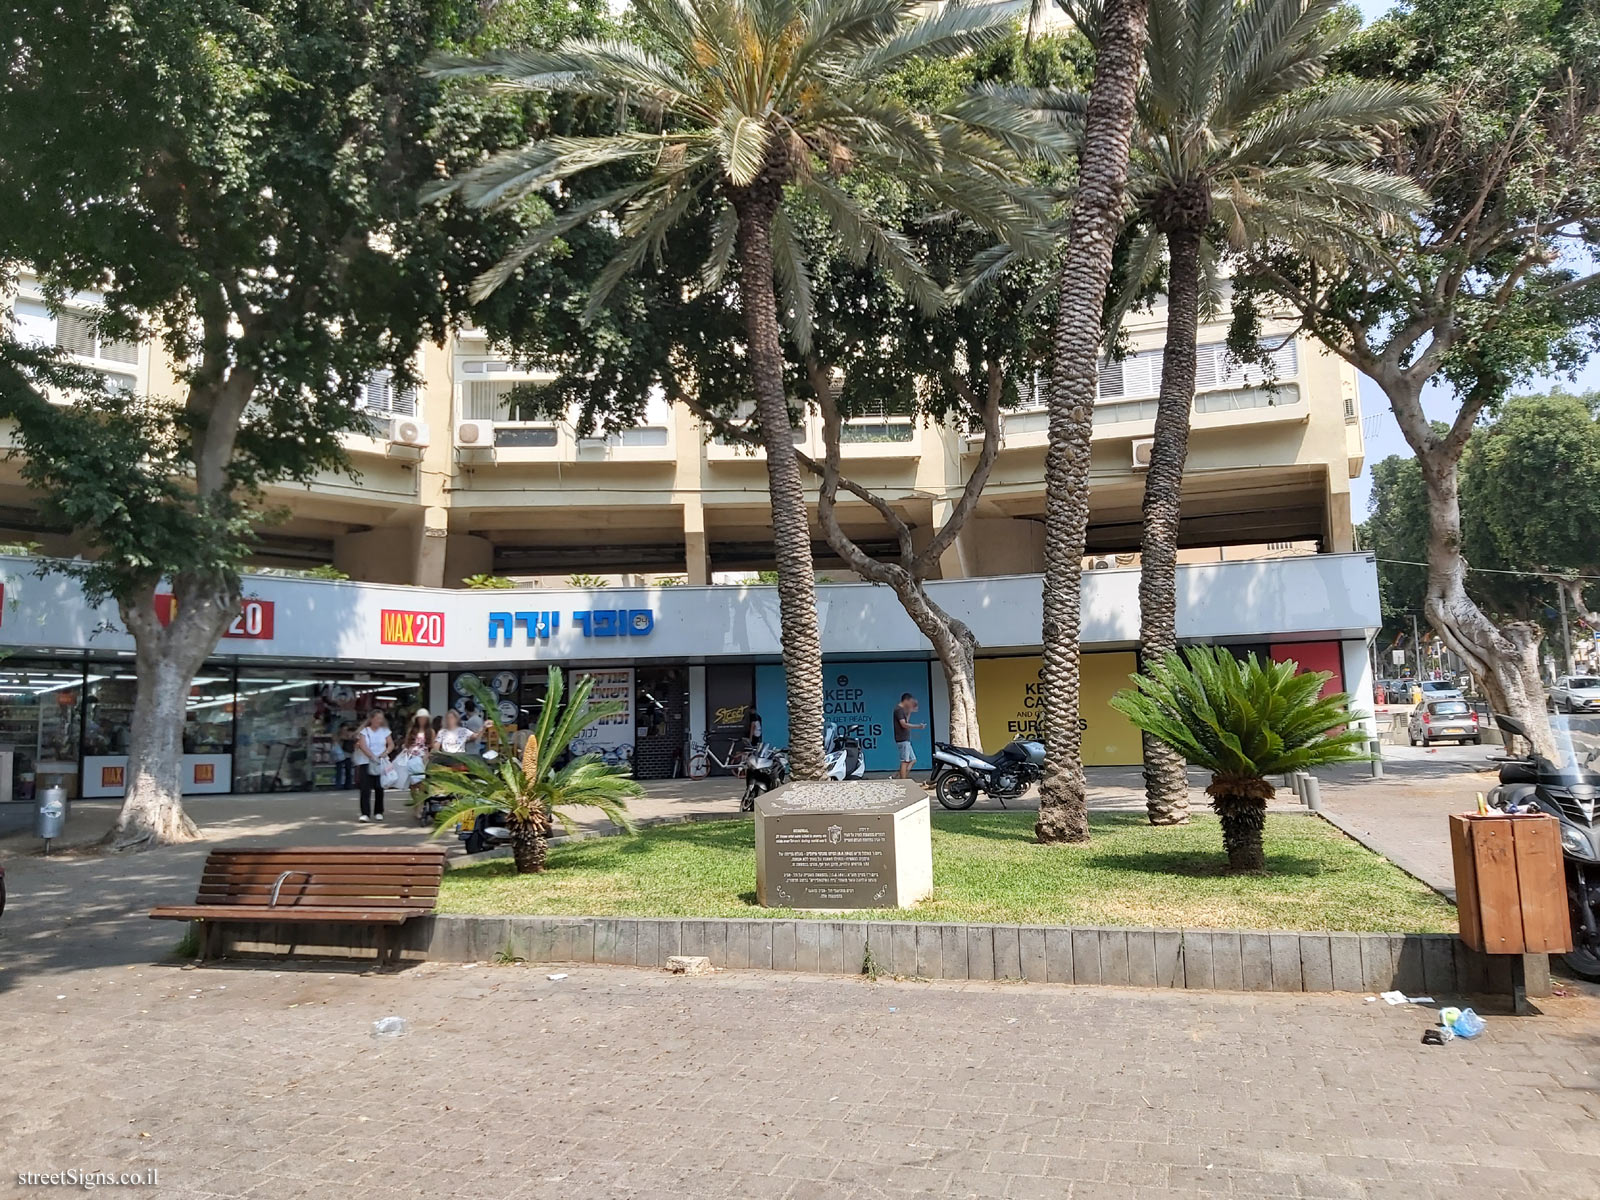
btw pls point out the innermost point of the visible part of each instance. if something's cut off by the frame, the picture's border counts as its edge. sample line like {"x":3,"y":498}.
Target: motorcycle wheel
{"x":476,"y":843}
{"x":956,"y":791}
{"x":1583,"y":963}
{"x":747,"y":802}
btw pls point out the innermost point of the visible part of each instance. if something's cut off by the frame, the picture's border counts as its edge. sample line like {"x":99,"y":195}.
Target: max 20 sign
{"x":254,"y":622}
{"x":401,"y":627}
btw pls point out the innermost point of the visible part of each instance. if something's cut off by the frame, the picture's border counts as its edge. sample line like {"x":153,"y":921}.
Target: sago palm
{"x":1242,"y":721}
{"x":1241,"y":142}
{"x":732,"y":111}
{"x":530,"y":789}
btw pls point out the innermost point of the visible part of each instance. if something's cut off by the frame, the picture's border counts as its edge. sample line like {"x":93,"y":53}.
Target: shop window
{"x":41,"y":710}
{"x":288,"y":725}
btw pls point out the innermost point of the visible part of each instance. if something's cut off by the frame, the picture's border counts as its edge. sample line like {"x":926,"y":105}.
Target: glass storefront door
{"x":41,"y":712}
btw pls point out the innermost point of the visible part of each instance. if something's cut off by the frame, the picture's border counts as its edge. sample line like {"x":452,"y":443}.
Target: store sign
{"x":596,"y":622}
{"x":401,"y":627}
{"x":205,"y":772}
{"x":113,"y":777}
{"x":254,"y":622}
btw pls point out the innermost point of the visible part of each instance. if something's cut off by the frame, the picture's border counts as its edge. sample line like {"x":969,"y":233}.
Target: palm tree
{"x":1241,"y":142}
{"x":734,"y":111}
{"x":531,"y":790}
{"x":1083,"y":275}
{"x":1242,"y":721}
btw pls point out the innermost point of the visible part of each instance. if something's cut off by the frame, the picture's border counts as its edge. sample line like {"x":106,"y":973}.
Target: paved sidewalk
{"x":266,"y":1081}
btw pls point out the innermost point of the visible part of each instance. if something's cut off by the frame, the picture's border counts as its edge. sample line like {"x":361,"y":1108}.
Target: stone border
{"x":1224,"y":960}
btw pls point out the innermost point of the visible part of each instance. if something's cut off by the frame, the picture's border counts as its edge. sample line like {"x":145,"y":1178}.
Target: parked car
{"x":1576,"y":693}
{"x":1440,"y":689}
{"x":1444,"y":721}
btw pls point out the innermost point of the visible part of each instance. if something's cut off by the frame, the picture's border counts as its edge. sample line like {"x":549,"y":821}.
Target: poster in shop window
{"x":611,"y":737}
{"x":1009,"y":703}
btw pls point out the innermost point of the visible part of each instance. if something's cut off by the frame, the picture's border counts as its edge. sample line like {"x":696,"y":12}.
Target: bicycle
{"x":701,"y":756}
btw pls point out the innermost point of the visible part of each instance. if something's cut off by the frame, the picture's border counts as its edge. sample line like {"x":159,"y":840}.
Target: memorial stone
{"x":855,"y":843}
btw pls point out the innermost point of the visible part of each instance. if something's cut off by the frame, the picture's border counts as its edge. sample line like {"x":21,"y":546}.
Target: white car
{"x":1438,"y":689}
{"x":1576,"y":693}
{"x":1443,"y":721}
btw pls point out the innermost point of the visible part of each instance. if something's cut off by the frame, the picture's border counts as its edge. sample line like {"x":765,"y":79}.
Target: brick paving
{"x":265,"y":1080}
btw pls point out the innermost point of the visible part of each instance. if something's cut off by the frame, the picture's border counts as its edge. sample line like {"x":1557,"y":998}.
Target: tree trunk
{"x":1241,"y":804}
{"x":167,"y":659}
{"x":957,"y":648}
{"x":1166,"y":778}
{"x":1503,"y":659}
{"x":791,"y":528}
{"x":528,"y":848}
{"x":1080,"y":298}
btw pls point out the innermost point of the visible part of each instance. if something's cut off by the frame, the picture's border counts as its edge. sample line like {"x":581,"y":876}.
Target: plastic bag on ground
{"x":388,"y":1027}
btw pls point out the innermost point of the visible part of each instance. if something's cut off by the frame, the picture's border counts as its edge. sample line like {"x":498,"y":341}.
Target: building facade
{"x":448,"y":484}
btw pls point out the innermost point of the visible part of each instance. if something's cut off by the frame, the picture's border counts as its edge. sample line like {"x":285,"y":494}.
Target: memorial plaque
{"x":855,"y":843}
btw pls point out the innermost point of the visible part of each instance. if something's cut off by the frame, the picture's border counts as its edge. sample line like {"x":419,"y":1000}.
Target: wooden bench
{"x":332,"y":885}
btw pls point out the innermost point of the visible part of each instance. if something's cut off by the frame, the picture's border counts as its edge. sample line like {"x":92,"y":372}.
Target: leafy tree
{"x":532,"y":790}
{"x":1241,"y":141}
{"x":1530,"y":491}
{"x":1490,"y":289}
{"x":1397,"y":533}
{"x":733,"y":112}
{"x":484,"y":582}
{"x":236,"y":181}
{"x":1242,"y":720}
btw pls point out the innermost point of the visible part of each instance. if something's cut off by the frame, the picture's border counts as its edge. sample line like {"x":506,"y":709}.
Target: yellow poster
{"x":1009,"y":700}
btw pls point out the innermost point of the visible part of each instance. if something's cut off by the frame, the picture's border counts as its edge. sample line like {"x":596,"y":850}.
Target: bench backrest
{"x":324,"y":877}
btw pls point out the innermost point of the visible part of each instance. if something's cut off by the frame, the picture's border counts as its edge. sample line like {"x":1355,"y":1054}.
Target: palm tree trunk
{"x":791,"y":528}
{"x":528,"y":848}
{"x":1080,"y":297}
{"x":1241,"y":804}
{"x":1166,"y":781}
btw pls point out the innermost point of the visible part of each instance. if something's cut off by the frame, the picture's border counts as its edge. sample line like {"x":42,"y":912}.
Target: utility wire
{"x":1552,"y":576}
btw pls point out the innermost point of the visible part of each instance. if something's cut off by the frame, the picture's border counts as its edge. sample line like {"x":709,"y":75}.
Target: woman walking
{"x":374,"y":744}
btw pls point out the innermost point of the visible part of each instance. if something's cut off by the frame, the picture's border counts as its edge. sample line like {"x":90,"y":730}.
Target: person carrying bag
{"x":374,"y":745}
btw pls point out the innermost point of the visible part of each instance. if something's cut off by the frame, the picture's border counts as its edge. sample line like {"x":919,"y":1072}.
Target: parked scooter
{"x":1567,"y":788}
{"x":765,"y":768}
{"x":961,"y":774}
{"x":842,"y":756}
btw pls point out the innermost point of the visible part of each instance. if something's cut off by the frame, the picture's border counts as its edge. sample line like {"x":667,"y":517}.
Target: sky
{"x":1382,"y":434}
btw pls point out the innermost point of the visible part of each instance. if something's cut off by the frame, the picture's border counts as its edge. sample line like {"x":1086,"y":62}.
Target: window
{"x":882,"y":421}
{"x":73,"y":331}
{"x":381,"y":394}
{"x":1283,"y":395}
{"x":1138,"y":374}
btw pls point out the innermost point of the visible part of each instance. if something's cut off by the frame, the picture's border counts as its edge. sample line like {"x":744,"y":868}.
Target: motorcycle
{"x":765,"y":768}
{"x":961,"y":774}
{"x":842,"y":757}
{"x":1567,"y":788}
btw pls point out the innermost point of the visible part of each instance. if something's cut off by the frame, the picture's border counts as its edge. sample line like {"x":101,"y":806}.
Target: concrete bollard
{"x":1376,"y":747}
{"x":1300,"y":786}
{"x":1313,"y":794}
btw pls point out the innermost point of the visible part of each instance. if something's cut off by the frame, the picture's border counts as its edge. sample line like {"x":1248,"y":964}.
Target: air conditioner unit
{"x":1100,"y":564}
{"x":1141,"y":453}
{"x":408,"y":431}
{"x":475,"y":435}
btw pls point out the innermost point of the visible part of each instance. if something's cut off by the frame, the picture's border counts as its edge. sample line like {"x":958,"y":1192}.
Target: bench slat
{"x":192,"y":912}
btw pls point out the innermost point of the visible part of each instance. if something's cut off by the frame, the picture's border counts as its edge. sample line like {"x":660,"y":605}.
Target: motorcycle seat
{"x":992,"y":759}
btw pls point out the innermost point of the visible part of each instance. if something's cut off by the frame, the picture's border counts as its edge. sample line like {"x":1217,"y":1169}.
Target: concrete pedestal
{"x":859,"y":843}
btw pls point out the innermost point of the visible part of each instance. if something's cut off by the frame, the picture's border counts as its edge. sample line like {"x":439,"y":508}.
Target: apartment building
{"x":447,"y":484}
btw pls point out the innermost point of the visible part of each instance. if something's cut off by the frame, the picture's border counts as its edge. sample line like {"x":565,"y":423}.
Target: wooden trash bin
{"x":1511,"y":889}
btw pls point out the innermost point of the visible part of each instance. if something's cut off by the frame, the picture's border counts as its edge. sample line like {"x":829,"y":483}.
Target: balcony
{"x":1227,"y":394}
{"x":487,"y":431}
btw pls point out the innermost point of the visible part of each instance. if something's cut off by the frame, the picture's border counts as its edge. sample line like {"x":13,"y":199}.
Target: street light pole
{"x":1416,"y":641}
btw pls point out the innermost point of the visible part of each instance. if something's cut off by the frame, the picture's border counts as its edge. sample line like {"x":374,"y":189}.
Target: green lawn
{"x":986,"y":869}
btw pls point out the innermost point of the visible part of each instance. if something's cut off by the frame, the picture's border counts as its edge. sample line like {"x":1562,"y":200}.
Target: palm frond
{"x":954,"y":28}
{"x":794,"y":281}
{"x":1241,"y":718}
{"x":864,"y":237}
